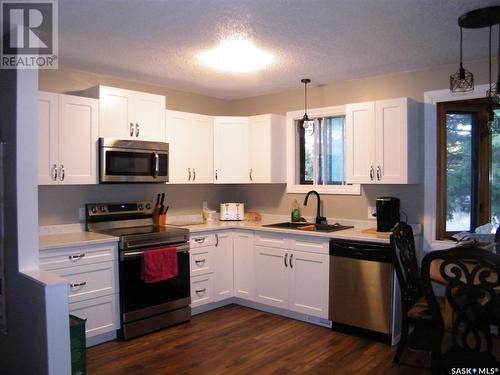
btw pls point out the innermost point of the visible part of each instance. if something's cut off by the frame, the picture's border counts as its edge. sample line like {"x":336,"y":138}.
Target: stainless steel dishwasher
{"x":361,"y":277}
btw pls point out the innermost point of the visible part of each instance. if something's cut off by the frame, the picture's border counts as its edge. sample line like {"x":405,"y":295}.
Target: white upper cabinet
{"x":67,"y":139}
{"x":126,"y":114}
{"x":381,"y":142}
{"x":190,"y":138}
{"x":267,"y":148}
{"x":231,"y":150}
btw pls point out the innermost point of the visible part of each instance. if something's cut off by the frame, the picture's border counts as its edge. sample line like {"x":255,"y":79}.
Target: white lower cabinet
{"x":244,"y":266}
{"x":92,"y":275}
{"x":211,"y":259}
{"x":290,"y":278}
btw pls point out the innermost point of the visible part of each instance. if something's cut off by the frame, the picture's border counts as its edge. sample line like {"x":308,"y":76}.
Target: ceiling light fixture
{"x":306,"y":121}
{"x":462,"y":80}
{"x":236,"y":55}
{"x":477,"y":19}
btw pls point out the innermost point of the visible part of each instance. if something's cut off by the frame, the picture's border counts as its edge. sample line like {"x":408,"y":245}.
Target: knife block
{"x":159,"y":220}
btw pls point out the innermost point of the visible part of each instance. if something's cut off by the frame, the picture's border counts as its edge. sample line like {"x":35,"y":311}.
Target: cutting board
{"x":374,"y":231}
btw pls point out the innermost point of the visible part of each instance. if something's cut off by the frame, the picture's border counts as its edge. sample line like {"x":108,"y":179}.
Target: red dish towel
{"x":159,"y":264}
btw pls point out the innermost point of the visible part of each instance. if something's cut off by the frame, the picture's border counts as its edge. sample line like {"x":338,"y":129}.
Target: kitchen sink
{"x":304,"y":226}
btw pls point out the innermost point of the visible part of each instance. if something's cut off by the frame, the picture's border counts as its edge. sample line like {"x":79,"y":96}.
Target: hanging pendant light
{"x":462,"y":80}
{"x":306,"y":121}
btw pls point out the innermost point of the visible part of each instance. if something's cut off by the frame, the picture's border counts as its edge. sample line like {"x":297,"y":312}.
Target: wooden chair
{"x":415,"y":311}
{"x":470,"y":276}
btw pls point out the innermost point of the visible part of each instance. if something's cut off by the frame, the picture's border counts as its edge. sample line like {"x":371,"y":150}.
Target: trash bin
{"x":77,"y":338}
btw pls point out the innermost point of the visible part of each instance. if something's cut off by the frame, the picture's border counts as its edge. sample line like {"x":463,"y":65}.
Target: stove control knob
{"x":141,"y":206}
{"x":93,"y":210}
{"x":102,"y":208}
{"x":148,"y":206}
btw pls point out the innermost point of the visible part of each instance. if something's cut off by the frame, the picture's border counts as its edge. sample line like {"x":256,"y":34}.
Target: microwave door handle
{"x":156,"y":168}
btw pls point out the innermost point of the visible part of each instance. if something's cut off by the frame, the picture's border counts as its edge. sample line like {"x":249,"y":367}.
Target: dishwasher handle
{"x":358,"y":250}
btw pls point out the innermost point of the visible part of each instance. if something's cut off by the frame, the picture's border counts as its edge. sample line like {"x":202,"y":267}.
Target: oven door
{"x":139,"y":300}
{"x":133,"y":165}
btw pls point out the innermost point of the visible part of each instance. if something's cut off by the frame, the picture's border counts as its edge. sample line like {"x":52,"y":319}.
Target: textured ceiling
{"x":326,"y":40}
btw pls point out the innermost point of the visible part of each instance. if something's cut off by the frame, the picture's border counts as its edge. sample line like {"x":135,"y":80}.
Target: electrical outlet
{"x":372,"y":212}
{"x":81,"y":214}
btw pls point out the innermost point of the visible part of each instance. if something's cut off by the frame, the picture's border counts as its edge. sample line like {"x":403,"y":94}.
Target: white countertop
{"x":348,"y":234}
{"x":57,"y":240}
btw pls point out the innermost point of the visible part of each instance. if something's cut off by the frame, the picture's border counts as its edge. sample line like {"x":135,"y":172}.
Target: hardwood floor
{"x":238,"y":340}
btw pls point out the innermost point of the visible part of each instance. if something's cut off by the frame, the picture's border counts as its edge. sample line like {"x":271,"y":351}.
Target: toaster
{"x":232,"y":211}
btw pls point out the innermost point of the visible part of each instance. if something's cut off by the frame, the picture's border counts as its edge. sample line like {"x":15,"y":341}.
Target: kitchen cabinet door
{"x":78,"y":130}
{"x":190,"y":138}
{"x":48,"y":141}
{"x":392,"y":140}
{"x":266,"y":148}
{"x":244,"y":266}
{"x":126,"y":114}
{"x":360,"y":143}
{"x":149,"y":117}
{"x":231,"y":150}
{"x":223,"y":261}
{"x":271,"y":276}
{"x":115,"y":113}
{"x":309,"y":283}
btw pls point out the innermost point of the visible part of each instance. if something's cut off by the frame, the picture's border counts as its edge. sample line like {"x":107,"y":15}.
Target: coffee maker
{"x":387,"y":213}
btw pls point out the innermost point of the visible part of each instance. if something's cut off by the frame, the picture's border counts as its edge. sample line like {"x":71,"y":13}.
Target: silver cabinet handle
{"x":136,"y":129}
{"x":199,"y":239}
{"x":379,"y":173}
{"x":200,"y":262}
{"x":251,"y":178}
{"x":216,"y":175}
{"x":131,"y":129}
{"x":371,"y":172}
{"x":286,"y":257}
{"x":83,"y":283}
{"x":61,"y":178}
{"x":54,"y":172}
{"x":194,"y":174}
{"x":76,"y":257}
{"x":216,"y":240}
{"x":189,"y":174}
{"x":291,"y":259}
{"x":201,"y":291}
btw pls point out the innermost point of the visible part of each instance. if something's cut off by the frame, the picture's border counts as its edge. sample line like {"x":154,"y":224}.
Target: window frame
{"x":293,"y":157}
{"x":480,"y":212}
{"x":431,"y":99}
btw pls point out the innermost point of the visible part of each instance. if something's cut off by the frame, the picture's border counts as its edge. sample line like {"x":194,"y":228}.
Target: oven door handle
{"x":156,"y":165}
{"x":134,"y":254}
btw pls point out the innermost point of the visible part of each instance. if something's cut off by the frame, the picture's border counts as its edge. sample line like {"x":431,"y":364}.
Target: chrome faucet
{"x":319,"y":219}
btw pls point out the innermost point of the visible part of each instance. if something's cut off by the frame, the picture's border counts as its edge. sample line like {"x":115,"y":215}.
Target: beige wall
{"x":70,"y":81}
{"x":264,"y":198}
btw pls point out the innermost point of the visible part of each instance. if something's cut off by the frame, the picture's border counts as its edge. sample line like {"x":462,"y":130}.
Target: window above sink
{"x":316,"y":152}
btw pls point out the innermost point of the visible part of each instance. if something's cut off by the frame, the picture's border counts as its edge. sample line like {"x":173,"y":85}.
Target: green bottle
{"x":295,"y":216}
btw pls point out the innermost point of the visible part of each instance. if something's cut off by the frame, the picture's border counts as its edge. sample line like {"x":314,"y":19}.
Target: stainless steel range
{"x":144,"y":307}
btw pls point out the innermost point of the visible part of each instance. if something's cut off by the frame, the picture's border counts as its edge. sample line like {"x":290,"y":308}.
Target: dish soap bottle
{"x":295,"y":216}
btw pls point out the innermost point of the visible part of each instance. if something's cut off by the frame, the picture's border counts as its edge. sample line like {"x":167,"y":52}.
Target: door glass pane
{"x":458,"y":171}
{"x":495,"y":177}
{"x":334,"y":150}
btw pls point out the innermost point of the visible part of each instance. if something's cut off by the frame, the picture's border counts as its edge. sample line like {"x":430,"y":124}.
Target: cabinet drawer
{"x":310,"y":244}
{"x":270,"y":240}
{"x":51,"y":259}
{"x":90,"y":281}
{"x":101,"y":314}
{"x":200,"y":260}
{"x":201,"y":290}
{"x":200,"y":240}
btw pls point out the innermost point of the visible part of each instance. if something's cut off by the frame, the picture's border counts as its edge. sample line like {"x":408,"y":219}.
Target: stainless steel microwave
{"x":132,"y":161}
